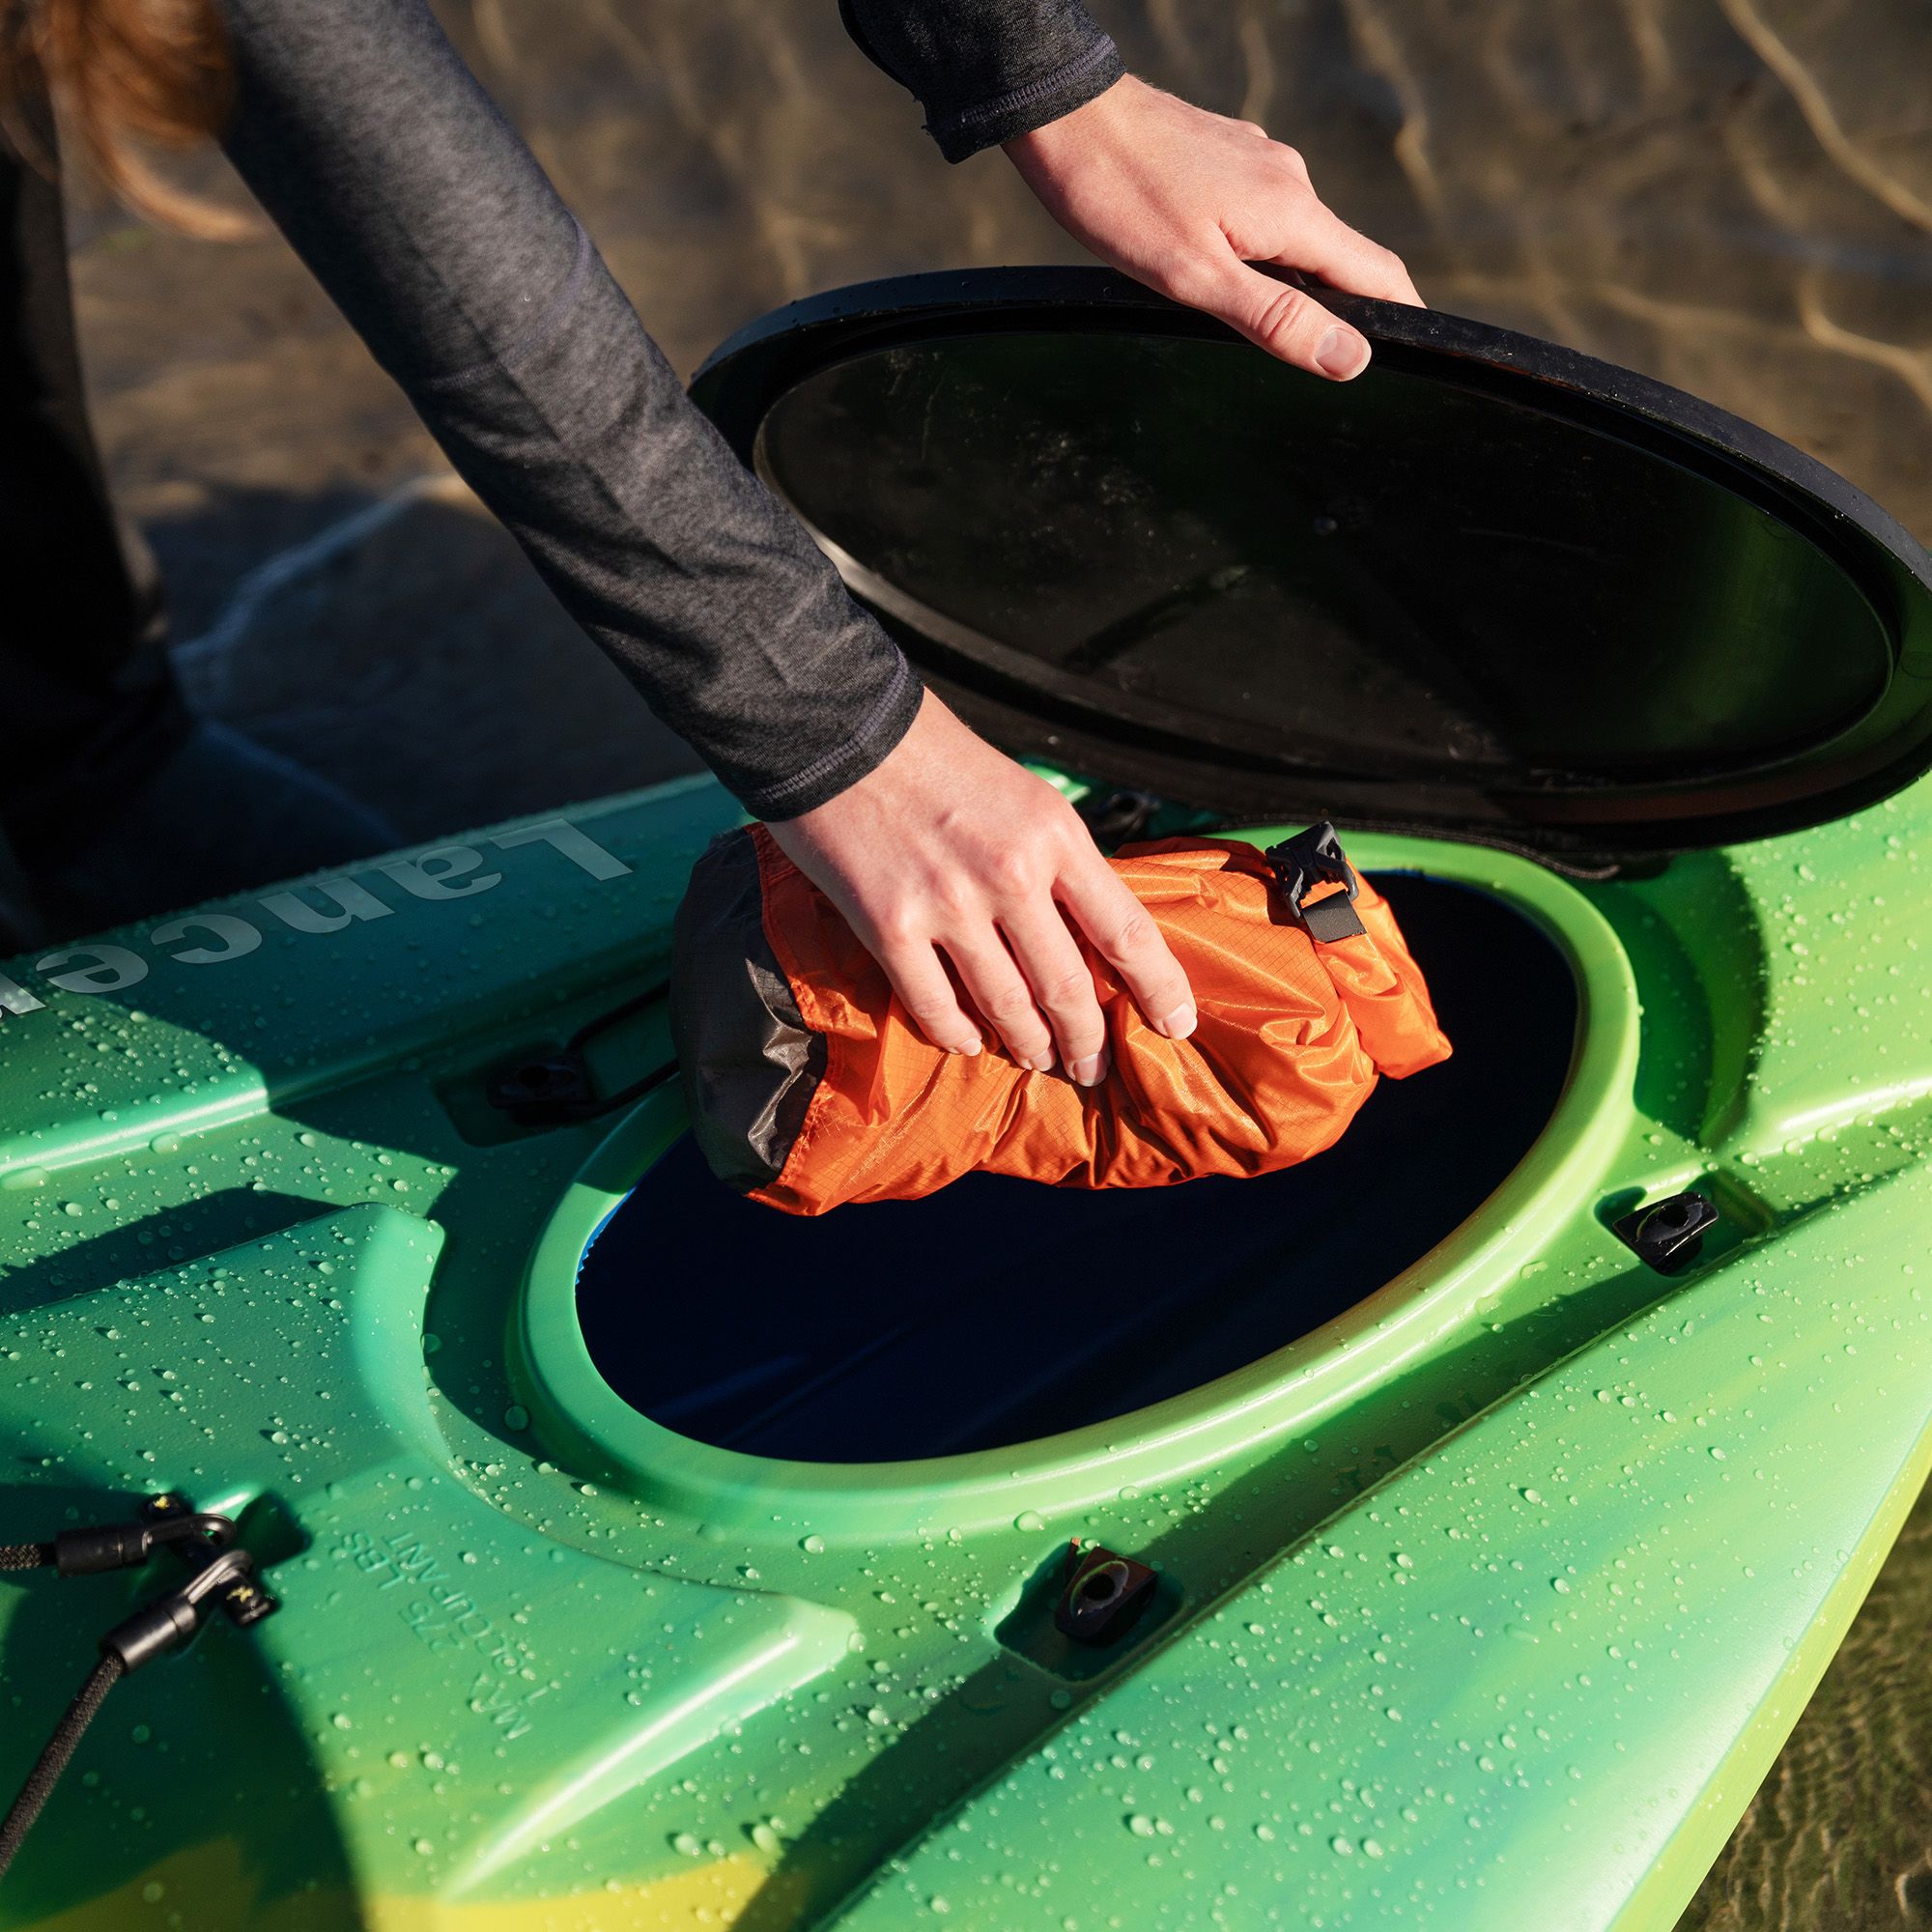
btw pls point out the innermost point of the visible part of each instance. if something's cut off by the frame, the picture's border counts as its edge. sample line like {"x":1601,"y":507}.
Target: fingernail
{"x":1040,"y":1063}
{"x":1342,"y":353}
{"x":1086,"y":1072}
{"x":968,"y":1047}
{"x":1178,"y":1024}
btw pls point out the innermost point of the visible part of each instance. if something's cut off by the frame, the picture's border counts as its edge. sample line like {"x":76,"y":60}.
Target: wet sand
{"x":1734,"y":197}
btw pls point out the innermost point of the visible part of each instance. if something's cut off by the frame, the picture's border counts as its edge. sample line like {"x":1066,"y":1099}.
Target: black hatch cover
{"x":1492,"y":588}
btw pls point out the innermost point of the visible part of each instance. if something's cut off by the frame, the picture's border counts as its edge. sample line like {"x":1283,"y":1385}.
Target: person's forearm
{"x":431,"y":225}
{"x":986,"y":71}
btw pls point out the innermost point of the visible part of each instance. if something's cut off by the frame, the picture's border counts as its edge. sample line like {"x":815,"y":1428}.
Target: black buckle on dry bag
{"x":1311,"y":859}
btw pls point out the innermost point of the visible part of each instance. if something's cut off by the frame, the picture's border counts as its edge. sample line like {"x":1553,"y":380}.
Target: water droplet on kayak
{"x":1029,"y":1521}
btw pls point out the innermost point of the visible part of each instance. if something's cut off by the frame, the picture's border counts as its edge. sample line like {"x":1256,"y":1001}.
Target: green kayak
{"x":1507,"y":1476}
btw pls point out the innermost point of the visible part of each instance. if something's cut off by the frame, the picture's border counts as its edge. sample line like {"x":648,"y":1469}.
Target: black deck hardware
{"x":126,"y":1545}
{"x":1118,"y":817}
{"x":553,"y":1089}
{"x":546,"y":1091}
{"x":219,"y":1570}
{"x":1310,"y":859}
{"x":1105,"y":1594}
{"x":1669,"y":1234}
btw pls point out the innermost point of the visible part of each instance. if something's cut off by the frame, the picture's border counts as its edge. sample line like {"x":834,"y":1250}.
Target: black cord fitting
{"x":108,"y":1545}
{"x":218,"y":1572}
{"x":222,"y":1577}
{"x":126,"y":1545}
{"x":162,"y":1625}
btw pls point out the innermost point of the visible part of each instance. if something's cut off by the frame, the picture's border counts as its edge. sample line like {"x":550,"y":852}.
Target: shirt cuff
{"x":965,"y":131}
{"x":877,"y":735}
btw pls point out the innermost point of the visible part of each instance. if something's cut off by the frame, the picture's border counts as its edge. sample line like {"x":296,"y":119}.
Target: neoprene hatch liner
{"x":1492,"y":588}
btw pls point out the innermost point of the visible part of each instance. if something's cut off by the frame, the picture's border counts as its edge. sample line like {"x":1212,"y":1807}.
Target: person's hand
{"x":950,"y":853}
{"x":1184,"y":200}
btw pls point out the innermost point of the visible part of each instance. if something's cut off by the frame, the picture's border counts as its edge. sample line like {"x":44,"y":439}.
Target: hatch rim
{"x":1582,"y":825}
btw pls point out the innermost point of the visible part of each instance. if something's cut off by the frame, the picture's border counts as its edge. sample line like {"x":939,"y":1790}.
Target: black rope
{"x":636,"y":1091}
{"x":26,"y":1555}
{"x":45,"y":1774}
{"x":591,"y":1028}
{"x":589,"y":1031}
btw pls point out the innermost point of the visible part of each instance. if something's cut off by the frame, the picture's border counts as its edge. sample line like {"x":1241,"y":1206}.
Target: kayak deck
{"x":546,"y":1662}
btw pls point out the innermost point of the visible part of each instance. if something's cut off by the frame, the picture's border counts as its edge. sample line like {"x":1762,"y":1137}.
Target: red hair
{"x":125,"y":76}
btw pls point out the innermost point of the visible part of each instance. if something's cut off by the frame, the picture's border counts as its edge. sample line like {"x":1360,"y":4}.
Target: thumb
{"x":1287,"y":323}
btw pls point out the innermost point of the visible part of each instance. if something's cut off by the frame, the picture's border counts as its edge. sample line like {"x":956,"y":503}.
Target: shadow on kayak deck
{"x":999,"y":1311}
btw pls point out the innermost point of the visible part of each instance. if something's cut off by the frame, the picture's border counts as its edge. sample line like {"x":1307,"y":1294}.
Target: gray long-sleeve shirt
{"x":432,"y":228}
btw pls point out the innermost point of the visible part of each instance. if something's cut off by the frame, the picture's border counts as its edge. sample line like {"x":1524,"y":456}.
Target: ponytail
{"x":125,"y":76}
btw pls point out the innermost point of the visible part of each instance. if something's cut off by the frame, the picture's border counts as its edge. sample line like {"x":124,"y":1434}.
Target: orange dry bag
{"x":809,"y":1087}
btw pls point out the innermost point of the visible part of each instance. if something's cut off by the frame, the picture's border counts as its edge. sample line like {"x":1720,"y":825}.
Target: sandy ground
{"x":1736,"y":197}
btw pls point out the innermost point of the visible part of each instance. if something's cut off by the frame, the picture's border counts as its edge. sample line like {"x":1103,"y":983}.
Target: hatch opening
{"x":999,"y":1311}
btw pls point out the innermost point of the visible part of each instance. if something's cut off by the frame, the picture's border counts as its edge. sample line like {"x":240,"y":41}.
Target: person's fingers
{"x":1063,"y":985}
{"x":925,"y":992}
{"x":1273,"y":316}
{"x":1348,"y":259}
{"x":1124,"y":934}
{"x":999,"y":990}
